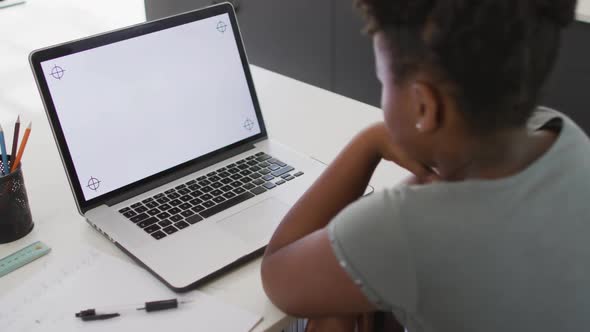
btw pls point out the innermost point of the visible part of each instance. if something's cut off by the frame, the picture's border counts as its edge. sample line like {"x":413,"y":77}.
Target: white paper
{"x":103,"y":282}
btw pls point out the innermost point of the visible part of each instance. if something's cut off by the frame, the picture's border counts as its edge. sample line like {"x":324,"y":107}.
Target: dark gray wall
{"x":290,"y":37}
{"x":568,"y":89}
{"x":353,"y":60}
{"x":320,"y":42}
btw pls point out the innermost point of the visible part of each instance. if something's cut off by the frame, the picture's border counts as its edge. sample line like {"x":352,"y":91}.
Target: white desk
{"x":311,"y":120}
{"x":583,"y":11}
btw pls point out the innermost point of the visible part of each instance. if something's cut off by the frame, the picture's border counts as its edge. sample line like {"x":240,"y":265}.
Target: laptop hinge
{"x":179,"y":174}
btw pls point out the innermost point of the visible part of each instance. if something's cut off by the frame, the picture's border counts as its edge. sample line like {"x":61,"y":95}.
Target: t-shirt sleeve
{"x":369,"y":240}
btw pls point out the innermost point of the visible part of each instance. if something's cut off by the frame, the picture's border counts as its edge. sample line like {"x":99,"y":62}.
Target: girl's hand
{"x":384,"y":148}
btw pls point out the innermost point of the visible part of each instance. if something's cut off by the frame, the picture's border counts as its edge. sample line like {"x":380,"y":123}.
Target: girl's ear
{"x":426,"y":106}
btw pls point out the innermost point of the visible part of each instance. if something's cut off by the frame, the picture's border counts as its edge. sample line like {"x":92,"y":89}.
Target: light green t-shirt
{"x":503,"y":255}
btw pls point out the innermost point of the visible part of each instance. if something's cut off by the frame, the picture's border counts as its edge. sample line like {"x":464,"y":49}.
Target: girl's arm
{"x":300,"y":273}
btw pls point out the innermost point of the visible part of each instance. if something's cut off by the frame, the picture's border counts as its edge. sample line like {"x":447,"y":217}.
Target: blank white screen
{"x":137,"y":107}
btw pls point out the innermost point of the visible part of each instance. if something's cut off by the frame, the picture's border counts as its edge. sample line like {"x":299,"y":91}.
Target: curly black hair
{"x":494,"y":54}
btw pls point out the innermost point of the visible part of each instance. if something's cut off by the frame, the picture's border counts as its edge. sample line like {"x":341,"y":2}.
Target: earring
{"x":418,"y":125}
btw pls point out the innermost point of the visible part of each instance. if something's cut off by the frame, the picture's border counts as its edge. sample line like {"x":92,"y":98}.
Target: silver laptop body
{"x":150,"y":120}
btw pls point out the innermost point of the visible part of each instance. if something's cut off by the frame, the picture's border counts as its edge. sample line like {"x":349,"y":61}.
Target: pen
{"x":3,"y":151}
{"x":10,"y":4}
{"x":21,"y":148}
{"x":15,"y":139}
{"x":90,"y":314}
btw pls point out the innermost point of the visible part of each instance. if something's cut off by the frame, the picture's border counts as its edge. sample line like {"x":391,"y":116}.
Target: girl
{"x":491,"y":233}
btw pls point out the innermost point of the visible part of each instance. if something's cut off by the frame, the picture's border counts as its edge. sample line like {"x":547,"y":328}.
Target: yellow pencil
{"x":21,"y":148}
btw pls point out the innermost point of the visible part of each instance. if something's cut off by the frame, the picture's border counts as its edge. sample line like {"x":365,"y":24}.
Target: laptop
{"x":164,"y":144}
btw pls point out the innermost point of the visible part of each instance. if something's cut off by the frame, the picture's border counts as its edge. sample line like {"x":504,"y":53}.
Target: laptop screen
{"x":143,"y":105}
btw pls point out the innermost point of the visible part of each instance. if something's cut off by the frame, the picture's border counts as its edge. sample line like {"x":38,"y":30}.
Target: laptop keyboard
{"x":178,"y":208}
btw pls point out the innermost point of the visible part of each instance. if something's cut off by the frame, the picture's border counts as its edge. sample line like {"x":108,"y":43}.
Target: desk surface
{"x":583,"y":12}
{"x":287,"y":105}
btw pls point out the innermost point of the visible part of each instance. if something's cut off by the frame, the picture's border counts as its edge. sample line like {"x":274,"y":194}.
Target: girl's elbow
{"x":273,"y":287}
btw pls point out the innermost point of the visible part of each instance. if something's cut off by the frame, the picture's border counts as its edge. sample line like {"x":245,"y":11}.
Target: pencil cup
{"x":15,"y":213}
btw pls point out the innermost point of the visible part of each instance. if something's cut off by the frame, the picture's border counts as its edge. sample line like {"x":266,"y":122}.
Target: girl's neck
{"x":498,"y":156}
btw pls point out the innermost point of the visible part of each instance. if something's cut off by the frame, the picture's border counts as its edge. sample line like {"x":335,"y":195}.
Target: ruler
{"x":23,"y":257}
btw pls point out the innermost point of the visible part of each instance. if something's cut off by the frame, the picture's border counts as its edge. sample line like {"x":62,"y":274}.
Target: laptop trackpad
{"x":256,"y":224}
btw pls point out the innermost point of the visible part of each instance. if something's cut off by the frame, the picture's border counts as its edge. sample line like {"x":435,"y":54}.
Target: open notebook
{"x":49,"y":301}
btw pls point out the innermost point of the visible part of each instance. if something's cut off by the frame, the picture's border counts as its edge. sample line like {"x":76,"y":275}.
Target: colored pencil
{"x":21,"y":148}
{"x":15,"y":140}
{"x":3,"y":151}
